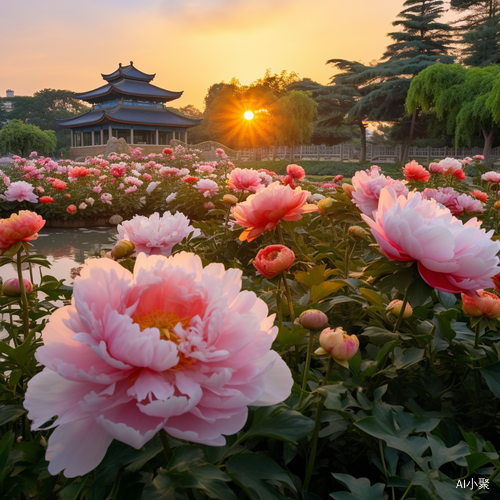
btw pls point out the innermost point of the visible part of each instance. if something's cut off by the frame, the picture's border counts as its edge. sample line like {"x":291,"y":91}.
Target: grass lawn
{"x":321,"y":171}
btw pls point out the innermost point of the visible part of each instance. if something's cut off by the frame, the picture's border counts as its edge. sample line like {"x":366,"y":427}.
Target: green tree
{"x":19,"y":138}
{"x":44,"y":108}
{"x":466,"y":100}
{"x":293,"y":117}
{"x":480,"y":31}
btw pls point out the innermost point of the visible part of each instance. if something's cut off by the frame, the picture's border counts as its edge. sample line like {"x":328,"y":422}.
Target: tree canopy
{"x":467,"y":100}
{"x":19,"y":138}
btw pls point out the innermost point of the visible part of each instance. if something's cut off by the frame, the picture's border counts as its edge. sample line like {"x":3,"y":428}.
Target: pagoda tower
{"x":127,"y":106}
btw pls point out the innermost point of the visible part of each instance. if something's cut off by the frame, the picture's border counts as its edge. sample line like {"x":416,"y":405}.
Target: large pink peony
{"x":367,"y":187}
{"x":21,"y":191}
{"x":156,"y":235}
{"x":452,"y":256}
{"x":244,"y":179}
{"x":173,"y":346}
{"x":264,"y":210}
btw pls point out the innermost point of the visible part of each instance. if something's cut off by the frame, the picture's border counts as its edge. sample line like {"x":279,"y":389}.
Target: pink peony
{"x":207,"y":187}
{"x":416,"y":172}
{"x":131,"y":189}
{"x":450,"y":165}
{"x":172,"y":346}
{"x":78,"y":172}
{"x":295,"y":171}
{"x":491,"y":177}
{"x":367,"y":187}
{"x":208,"y":205}
{"x":156,"y":235}
{"x":264,"y":210}
{"x":244,"y":179}
{"x":338,"y":178}
{"x":480,"y":195}
{"x":446,"y":196}
{"x":19,"y":227}
{"x":106,"y":198}
{"x":479,"y":157}
{"x":466,"y":203}
{"x":436,"y":168}
{"x":20,"y":191}
{"x":452,"y":256}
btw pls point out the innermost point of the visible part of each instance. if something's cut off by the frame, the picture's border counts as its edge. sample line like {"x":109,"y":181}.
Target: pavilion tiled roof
{"x":129,"y":114}
{"x":128,"y":71}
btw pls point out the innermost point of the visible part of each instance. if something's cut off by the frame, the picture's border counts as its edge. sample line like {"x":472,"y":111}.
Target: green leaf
{"x":408,"y":357}
{"x":287,"y":425}
{"x":251,"y":471}
{"x":10,"y":412}
{"x":319,"y":292}
{"x":5,"y":447}
{"x":313,"y":277}
{"x":476,"y":460}
{"x":287,"y":338}
{"x":372,"y":296}
{"x":491,"y":375}
{"x":379,"y":336}
{"x":360,"y":489}
{"x":419,"y":292}
{"x":441,"y":454}
{"x":333,"y":396}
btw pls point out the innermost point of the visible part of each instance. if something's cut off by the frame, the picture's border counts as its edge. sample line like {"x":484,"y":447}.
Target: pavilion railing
{"x":345,"y":151}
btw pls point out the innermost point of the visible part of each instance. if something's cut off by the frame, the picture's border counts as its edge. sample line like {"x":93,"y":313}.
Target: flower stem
{"x":382,"y":456}
{"x":403,"y":308}
{"x":314,"y":443}
{"x":288,"y":296}
{"x":328,"y":372}
{"x":280,"y":234}
{"x":26,"y":249}
{"x":478,"y":331}
{"x":23,"y":298}
{"x":278,"y":303}
{"x":166,"y":445}
{"x":330,"y":218}
{"x":307,"y":365}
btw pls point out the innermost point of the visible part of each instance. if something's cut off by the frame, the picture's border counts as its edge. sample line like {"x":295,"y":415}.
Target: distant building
{"x":127,"y":106}
{"x":8,"y":104}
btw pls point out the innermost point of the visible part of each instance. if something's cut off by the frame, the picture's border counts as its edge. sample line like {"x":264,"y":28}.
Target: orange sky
{"x":189,"y":44}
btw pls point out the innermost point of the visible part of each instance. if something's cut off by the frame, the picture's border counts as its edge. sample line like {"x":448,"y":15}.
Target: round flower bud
{"x":122,"y":248}
{"x":486,"y":304}
{"x":229,"y":199}
{"x":358,"y":233}
{"x":11,"y":287}
{"x":312,"y":319}
{"x":348,"y":189}
{"x":325,"y":206}
{"x":496,"y":206}
{"x":273,"y":260}
{"x":395,"y":307}
{"x":338,"y":344}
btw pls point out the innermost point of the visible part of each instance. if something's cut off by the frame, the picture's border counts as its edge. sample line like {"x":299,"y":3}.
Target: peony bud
{"x":325,"y":206}
{"x":395,"y":307}
{"x":122,"y":248}
{"x":348,"y":189}
{"x":339,"y":345}
{"x":312,"y":319}
{"x":358,"y":233}
{"x":11,"y":287}
{"x":496,"y":206}
{"x":273,"y":260}
{"x":229,"y":199}
{"x":486,"y":304}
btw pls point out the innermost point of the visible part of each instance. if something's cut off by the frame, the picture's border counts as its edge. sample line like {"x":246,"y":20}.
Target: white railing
{"x":342,"y":152}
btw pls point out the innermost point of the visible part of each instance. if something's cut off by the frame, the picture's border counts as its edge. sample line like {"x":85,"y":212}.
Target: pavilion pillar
{"x":102,"y":136}
{"x":92,"y":138}
{"x":186,"y":136}
{"x":72,"y":139}
{"x":131,"y":135}
{"x":173,"y":135}
{"x":156,"y":137}
{"x":81,"y":138}
{"x":110,"y":131}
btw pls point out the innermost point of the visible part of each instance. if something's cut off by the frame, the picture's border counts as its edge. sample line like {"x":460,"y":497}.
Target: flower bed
{"x":285,"y":344}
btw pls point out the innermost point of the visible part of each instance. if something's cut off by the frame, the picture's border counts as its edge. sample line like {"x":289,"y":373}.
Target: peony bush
{"x":252,"y":335}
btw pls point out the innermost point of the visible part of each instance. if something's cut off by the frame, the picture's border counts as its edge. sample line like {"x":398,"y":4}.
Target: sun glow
{"x":248,"y":115}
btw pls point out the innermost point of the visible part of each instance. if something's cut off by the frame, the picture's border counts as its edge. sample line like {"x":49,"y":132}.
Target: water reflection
{"x":65,"y":249}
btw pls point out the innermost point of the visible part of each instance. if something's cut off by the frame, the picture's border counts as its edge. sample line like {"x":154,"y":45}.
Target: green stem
{"x":330,"y":218}
{"x":23,"y":298}
{"x":328,"y":371}
{"x":288,"y":296}
{"x":346,"y":261}
{"x":406,"y":492}
{"x":166,"y":445}
{"x":26,"y":249}
{"x":278,"y":303}
{"x":280,"y":234}
{"x":314,"y":443}
{"x":310,"y":347}
{"x":403,"y":308}
{"x":478,"y":331}
{"x":490,"y":480}
{"x":382,"y":456}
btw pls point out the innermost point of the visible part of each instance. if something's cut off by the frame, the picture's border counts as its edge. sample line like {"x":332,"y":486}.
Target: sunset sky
{"x":190,"y":45}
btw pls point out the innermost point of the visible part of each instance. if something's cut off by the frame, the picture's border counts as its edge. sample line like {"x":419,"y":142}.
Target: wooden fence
{"x":347,"y":152}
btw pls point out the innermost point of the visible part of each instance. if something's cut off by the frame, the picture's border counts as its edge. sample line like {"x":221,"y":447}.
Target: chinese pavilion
{"x":127,"y":106}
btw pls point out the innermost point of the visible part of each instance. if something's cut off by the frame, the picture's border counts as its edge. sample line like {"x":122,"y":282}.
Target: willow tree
{"x":293,"y":118}
{"x":480,"y":31}
{"x":19,"y":138}
{"x":467,"y":100}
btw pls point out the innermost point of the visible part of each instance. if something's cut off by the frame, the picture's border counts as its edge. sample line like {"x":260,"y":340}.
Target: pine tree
{"x":480,"y":31}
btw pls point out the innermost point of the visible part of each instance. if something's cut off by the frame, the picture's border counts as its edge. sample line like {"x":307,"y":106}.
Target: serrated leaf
{"x":360,"y":489}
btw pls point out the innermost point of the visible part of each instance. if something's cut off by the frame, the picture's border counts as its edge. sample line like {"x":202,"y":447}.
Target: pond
{"x":66,"y":249}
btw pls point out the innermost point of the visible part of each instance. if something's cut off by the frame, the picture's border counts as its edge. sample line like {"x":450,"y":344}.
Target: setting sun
{"x":248,"y":115}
